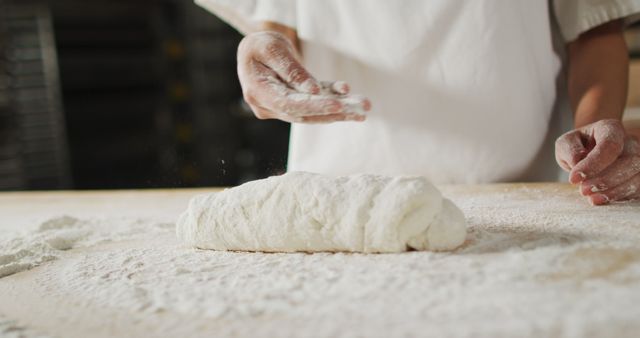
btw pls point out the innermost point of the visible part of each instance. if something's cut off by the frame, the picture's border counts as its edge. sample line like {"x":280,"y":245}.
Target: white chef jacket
{"x":462,"y":91}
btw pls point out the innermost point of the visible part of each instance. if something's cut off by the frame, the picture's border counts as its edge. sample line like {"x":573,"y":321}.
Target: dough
{"x":301,"y":211}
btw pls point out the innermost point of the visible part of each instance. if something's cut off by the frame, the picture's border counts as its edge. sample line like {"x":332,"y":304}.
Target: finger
{"x":280,"y":57}
{"x":269,"y":92}
{"x":631,"y":146}
{"x":273,"y":94}
{"x":263,"y":113}
{"x":341,"y":87}
{"x":278,"y":97}
{"x":331,"y":118}
{"x":622,"y":192}
{"x":570,"y":150}
{"x":337,"y":87}
{"x":617,"y":173}
{"x":356,"y":104}
{"x":609,"y":142}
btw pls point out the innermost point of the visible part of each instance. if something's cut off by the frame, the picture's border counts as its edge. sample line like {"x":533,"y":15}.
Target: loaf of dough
{"x":301,"y":211}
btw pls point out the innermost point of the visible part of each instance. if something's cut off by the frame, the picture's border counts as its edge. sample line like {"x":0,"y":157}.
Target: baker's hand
{"x":603,"y":159}
{"x":277,"y":86}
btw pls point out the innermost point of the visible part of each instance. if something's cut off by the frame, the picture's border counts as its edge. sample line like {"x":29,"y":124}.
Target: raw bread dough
{"x":301,"y":211}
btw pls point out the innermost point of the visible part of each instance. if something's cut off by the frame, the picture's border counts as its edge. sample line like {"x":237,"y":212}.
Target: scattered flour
{"x":21,"y":251}
{"x":554,"y":267}
{"x":11,"y":329}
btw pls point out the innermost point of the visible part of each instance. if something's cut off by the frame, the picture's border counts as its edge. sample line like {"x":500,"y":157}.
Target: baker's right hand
{"x":276,"y":86}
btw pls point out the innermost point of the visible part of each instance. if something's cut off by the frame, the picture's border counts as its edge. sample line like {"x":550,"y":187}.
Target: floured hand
{"x":277,"y":86}
{"x":603,"y":159}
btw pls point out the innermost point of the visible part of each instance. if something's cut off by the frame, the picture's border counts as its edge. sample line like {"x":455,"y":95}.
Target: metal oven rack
{"x":33,"y":145}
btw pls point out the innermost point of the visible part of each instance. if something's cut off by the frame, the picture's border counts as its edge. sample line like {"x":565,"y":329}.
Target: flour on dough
{"x":302,"y":211}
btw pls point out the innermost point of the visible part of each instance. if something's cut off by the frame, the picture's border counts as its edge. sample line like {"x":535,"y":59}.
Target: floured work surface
{"x":539,"y":261}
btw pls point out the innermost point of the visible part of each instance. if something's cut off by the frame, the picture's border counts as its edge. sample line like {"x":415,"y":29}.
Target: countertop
{"x":539,"y":261}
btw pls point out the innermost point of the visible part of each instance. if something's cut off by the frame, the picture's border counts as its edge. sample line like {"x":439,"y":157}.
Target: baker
{"x":460,"y":91}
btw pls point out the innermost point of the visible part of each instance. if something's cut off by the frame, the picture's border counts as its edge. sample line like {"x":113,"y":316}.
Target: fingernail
{"x":599,"y":199}
{"x":585,"y":189}
{"x":310,"y":86}
{"x":366,"y":105}
{"x":588,"y":189}
{"x":577,"y":177}
{"x":341,"y":87}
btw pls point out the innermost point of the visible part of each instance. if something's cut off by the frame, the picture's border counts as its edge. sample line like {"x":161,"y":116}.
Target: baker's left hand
{"x":603,"y":159}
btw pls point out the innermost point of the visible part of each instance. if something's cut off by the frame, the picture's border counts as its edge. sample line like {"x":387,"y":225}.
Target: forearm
{"x":598,"y":74}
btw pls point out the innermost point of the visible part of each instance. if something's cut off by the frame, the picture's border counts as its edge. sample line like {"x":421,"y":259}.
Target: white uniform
{"x":462,"y":91}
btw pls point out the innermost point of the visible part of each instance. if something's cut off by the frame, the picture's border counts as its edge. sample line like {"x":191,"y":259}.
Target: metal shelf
{"x":34,"y":150}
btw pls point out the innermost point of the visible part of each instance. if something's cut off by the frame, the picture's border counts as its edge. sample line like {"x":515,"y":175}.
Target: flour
{"x":305,"y":104}
{"x":540,"y":265}
{"x":301,"y":211}
{"x":500,"y":290}
{"x":23,"y":251}
{"x":353,"y":103}
{"x":11,"y":329}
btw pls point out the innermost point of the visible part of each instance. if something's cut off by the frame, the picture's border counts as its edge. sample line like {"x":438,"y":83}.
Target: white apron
{"x":462,"y":91}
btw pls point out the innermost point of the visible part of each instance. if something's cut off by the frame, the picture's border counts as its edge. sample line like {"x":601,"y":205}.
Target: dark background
{"x":125,"y":94}
{"x":101,"y":94}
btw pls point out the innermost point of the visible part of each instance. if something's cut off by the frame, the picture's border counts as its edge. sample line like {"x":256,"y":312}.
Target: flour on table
{"x":12,"y":329}
{"x":54,"y":236}
{"x":308,"y":212}
{"x":544,"y":265}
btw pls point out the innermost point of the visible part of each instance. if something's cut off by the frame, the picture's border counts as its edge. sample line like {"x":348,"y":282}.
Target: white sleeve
{"x":245,"y":14}
{"x":578,"y":16}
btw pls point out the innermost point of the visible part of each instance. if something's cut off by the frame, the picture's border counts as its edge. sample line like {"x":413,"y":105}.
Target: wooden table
{"x":545,"y":239}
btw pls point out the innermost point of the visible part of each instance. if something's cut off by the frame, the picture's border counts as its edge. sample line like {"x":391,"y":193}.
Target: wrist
{"x":288,"y":32}
{"x":585,"y":117}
